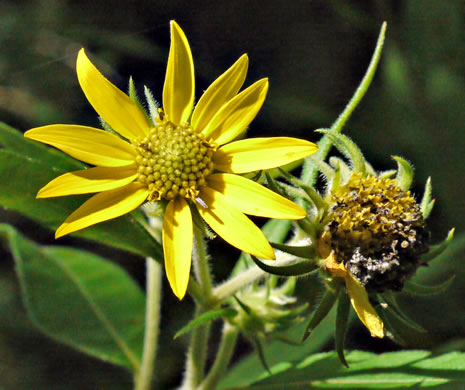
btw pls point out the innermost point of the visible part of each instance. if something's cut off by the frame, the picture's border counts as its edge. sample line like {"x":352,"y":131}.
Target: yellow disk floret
{"x":173,"y":160}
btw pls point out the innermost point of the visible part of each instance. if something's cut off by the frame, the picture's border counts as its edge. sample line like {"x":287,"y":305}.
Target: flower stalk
{"x":144,"y":376}
{"x":223,"y":357}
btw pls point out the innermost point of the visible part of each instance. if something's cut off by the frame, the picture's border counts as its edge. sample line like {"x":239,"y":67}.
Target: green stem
{"x":223,"y":357}
{"x":196,"y":356}
{"x":230,"y":287}
{"x":152,"y":322}
{"x":197,"y":353}
{"x":201,"y":266}
{"x":310,"y":172}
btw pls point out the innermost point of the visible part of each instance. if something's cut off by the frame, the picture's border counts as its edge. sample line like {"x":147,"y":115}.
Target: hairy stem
{"x":231,"y":286}
{"x":152,"y":321}
{"x":223,"y":357}
{"x":197,"y":353}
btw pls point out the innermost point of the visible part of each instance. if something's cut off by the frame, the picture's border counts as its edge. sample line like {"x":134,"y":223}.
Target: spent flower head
{"x":367,"y":234}
{"x":180,"y":156}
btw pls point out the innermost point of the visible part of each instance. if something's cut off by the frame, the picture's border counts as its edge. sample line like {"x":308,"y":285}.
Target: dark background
{"x":314,"y":53}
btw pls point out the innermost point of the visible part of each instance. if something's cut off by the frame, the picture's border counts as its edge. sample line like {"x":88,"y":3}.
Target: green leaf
{"x":13,"y":140}
{"x":422,"y":290}
{"x":80,"y":299}
{"x":23,"y":176}
{"x":404,"y":175}
{"x":393,"y":370}
{"x":296,"y":269}
{"x":205,"y":318}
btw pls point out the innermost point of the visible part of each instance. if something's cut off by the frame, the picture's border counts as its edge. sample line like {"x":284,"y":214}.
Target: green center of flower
{"x":173,"y":161}
{"x":377,"y":230}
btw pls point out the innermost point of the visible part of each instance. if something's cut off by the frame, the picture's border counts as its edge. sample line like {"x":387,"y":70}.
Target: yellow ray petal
{"x":254,"y":199}
{"x":179,"y":87}
{"x":177,"y":245}
{"x":233,"y":226}
{"x":254,"y":154}
{"x":236,"y":115}
{"x":93,"y":146}
{"x":358,"y":297}
{"x":223,"y":89}
{"x":363,"y":308}
{"x":89,"y":180}
{"x":113,"y":105}
{"x":104,"y":206}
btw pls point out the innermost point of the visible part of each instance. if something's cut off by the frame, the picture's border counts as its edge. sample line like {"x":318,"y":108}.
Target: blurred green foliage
{"x":314,"y":53}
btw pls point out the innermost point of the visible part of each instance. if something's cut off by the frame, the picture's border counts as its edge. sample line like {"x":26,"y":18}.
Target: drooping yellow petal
{"x":363,"y":308}
{"x":236,"y":115}
{"x":177,"y":245}
{"x":253,"y":154}
{"x":113,"y":105}
{"x":179,"y":87}
{"x":254,"y":199}
{"x":223,"y":89}
{"x":104,"y":206}
{"x":92,"y":146}
{"x":233,"y":226}
{"x":358,"y":297}
{"x":89,"y":180}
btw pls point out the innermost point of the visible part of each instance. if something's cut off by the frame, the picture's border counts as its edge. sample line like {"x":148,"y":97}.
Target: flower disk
{"x":173,"y":160}
{"x":377,"y":231}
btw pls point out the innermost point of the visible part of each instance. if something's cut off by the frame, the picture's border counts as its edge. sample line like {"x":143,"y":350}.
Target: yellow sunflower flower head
{"x":183,"y":156}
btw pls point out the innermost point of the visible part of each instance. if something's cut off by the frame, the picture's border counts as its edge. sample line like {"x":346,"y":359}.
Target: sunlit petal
{"x":254,"y":199}
{"x":358,"y":297}
{"x":92,"y":146}
{"x":177,"y":245}
{"x":236,"y":115}
{"x":363,"y":308}
{"x":113,"y":105}
{"x":233,"y":226}
{"x":104,"y":206}
{"x":179,"y":88}
{"x":261,"y":153}
{"x":89,"y":180}
{"x":223,"y":89}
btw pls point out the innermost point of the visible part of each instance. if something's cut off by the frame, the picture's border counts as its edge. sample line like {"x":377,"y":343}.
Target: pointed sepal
{"x":342,"y":323}
{"x":135,"y":99}
{"x":404,"y":175}
{"x":323,"y":309}
{"x":297,"y":269}
{"x":306,"y":251}
{"x":400,"y":330}
{"x":422,"y":290}
{"x":437,"y":249}
{"x":427,"y":203}
{"x":152,"y":104}
{"x":348,"y":148}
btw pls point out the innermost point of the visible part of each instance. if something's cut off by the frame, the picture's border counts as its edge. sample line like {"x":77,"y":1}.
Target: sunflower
{"x":181,"y":156}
